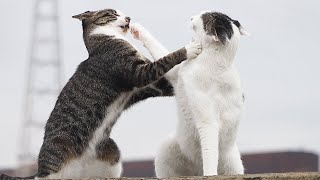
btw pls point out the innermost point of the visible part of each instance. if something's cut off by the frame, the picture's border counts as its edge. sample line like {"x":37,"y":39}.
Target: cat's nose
{"x":127,"y":19}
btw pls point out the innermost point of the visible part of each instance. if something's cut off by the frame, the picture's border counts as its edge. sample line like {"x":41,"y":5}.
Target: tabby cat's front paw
{"x":139,"y":32}
{"x":193,"y":50}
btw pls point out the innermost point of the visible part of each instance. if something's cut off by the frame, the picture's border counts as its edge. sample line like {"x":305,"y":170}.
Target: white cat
{"x":209,"y":98}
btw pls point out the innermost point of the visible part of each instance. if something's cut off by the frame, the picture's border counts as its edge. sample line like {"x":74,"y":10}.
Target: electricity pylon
{"x":43,"y":81}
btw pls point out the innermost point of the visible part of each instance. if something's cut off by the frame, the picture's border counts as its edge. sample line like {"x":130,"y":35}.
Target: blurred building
{"x":281,"y":162}
{"x":278,"y":162}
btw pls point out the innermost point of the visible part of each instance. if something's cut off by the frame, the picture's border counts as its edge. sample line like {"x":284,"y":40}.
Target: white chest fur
{"x":112,"y":113}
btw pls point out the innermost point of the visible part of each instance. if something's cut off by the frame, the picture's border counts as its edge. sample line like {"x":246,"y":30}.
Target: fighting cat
{"x":210,"y":101}
{"x":77,"y":141}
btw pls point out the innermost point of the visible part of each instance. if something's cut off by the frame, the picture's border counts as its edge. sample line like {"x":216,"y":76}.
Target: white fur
{"x":112,"y":28}
{"x":108,"y":30}
{"x":209,"y":98}
{"x":88,"y":168}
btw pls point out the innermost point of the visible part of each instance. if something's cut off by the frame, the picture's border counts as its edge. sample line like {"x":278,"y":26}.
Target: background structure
{"x":278,"y":65}
{"x":43,"y":79}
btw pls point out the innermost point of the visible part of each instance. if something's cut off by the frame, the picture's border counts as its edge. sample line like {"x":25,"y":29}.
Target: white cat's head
{"x":107,"y":22}
{"x":215,"y":27}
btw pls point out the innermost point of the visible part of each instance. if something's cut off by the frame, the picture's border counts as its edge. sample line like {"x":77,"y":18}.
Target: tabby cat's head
{"x":216,"y":27}
{"x":106,"y":21}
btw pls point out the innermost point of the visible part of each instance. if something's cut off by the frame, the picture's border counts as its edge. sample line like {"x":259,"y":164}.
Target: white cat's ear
{"x":217,"y":33}
{"x":83,"y":16}
{"x":243,"y":32}
{"x":215,"y":36}
{"x":222,"y":37}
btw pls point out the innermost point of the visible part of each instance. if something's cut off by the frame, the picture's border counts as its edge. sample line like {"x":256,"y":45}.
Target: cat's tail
{"x":5,"y":177}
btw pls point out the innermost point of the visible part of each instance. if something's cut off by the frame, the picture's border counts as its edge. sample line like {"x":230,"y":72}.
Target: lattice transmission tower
{"x":43,"y":80}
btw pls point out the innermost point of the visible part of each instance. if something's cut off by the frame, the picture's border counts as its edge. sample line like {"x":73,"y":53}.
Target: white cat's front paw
{"x":193,"y":50}
{"x":139,"y":32}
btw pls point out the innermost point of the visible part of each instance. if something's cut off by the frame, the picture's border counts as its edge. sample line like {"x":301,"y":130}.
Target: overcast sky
{"x":278,"y":65}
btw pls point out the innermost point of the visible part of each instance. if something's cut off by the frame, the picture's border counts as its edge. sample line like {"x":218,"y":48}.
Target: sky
{"x":278,"y":66}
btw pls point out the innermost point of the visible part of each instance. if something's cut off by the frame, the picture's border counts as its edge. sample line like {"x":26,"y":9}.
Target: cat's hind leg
{"x":101,"y":161}
{"x":55,"y":154}
{"x":107,"y":152}
{"x":86,"y":167}
{"x":102,"y":169}
{"x":171,"y":162}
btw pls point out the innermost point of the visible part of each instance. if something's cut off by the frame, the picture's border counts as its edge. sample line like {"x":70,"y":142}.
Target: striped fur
{"x":114,"y":77}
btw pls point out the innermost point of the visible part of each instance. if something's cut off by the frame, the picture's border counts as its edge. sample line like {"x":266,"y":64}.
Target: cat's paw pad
{"x":134,"y":30}
{"x":138,"y":32}
{"x":193,"y":50}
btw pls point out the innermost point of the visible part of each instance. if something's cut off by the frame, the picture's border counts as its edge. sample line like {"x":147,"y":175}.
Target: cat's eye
{"x":194,"y":27}
{"x":101,"y":21}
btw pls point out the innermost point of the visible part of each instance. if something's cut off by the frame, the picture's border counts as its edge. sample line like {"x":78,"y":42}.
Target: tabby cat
{"x":77,"y":141}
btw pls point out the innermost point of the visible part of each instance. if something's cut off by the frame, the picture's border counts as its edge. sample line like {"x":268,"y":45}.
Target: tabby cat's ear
{"x":83,"y":16}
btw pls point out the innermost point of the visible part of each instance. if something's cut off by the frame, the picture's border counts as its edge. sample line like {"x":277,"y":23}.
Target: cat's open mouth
{"x":125,"y":27}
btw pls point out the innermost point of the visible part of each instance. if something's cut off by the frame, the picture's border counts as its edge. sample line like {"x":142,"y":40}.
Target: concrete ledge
{"x":286,"y":176}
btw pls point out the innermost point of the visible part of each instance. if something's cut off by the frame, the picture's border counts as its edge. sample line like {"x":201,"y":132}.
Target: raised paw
{"x":193,"y":50}
{"x":138,"y":32}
